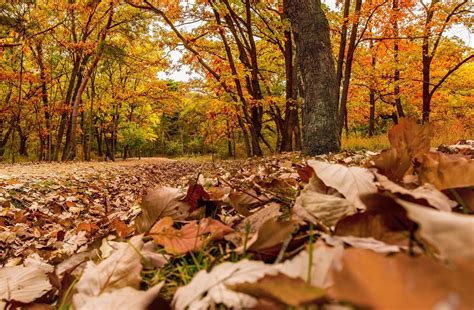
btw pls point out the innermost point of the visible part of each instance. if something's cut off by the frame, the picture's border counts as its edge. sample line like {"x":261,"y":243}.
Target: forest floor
{"x":72,"y":233}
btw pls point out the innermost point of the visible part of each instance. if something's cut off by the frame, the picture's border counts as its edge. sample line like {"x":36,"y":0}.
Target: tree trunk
{"x":315,"y":60}
{"x":291,"y":110}
{"x":342,"y":46}
{"x":348,"y":68}
{"x":396,"y":81}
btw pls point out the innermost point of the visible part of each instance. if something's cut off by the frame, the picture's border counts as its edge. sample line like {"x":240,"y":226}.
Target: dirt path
{"x":8,"y":171}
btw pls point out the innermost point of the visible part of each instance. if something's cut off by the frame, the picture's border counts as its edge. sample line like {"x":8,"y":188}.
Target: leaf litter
{"x":358,"y":229}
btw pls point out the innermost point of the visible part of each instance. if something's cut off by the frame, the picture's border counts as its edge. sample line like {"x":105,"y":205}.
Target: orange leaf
{"x":191,"y":237}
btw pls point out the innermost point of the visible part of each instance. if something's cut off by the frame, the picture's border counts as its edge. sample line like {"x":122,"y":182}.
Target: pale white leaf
{"x":125,"y":298}
{"x":451,"y":233}
{"x":23,"y":283}
{"x":313,"y":206}
{"x":119,"y":270}
{"x":208,"y":288}
{"x":349,"y":181}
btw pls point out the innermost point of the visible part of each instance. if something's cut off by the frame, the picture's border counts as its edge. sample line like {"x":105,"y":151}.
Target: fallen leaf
{"x":451,"y":233}
{"x":446,"y":171}
{"x":123,"y":299}
{"x":207,"y":288}
{"x":23,"y":283}
{"x":243,"y":202}
{"x":316,"y":207}
{"x":384,"y":220}
{"x":426,"y":192}
{"x":282,"y":289}
{"x":376,"y":281}
{"x":409,"y":141}
{"x":270,"y":236}
{"x":361,"y":243}
{"x":161,"y":202}
{"x":119,"y":270}
{"x":191,"y":237}
{"x":349,"y":181}
{"x":194,"y":195}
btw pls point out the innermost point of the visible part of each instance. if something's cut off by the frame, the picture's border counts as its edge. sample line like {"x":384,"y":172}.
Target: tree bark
{"x":348,"y":68}
{"x":316,"y":64}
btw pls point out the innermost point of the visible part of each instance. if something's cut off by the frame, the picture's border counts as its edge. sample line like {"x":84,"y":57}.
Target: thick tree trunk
{"x":315,"y":60}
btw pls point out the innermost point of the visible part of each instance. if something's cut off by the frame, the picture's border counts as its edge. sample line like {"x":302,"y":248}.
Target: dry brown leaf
{"x":252,"y":223}
{"x":349,"y":181}
{"x":376,"y":281}
{"x":191,"y":237}
{"x":119,"y":270}
{"x":384,"y":220}
{"x":446,"y":171}
{"x":243,"y":202}
{"x":409,"y":141}
{"x":270,"y":236}
{"x":282,"y":289}
{"x":23,"y":283}
{"x":426,"y":192}
{"x":161,"y":202}
{"x":451,"y":233}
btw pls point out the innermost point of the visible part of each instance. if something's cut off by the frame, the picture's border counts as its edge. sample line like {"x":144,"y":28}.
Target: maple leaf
{"x":191,"y":237}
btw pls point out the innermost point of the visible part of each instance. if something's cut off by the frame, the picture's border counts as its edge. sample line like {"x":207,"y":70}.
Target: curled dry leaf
{"x":384,"y":220}
{"x":281,"y":289}
{"x":195,"y":194}
{"x":208,"y":288}
{"x":316,"y":207}
{"x":119,"y":270}
{"x":123,"y":299}
{"x":23,"y":283}
{"x":315,"y":268}
{"x":243,"y":202}
{"x":161,"y":202}
{"x":191,"y":237}
{"x":451,"y":233}
{"x":361,"y":243}
{"x":269,"y":237}
{"x":349,"y":181}
{"x":409,"y":140}
{"x":446,"y":171}
{"x":252,"y":224}
{"x":426,"y":192}
{"x":377,"y":281}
